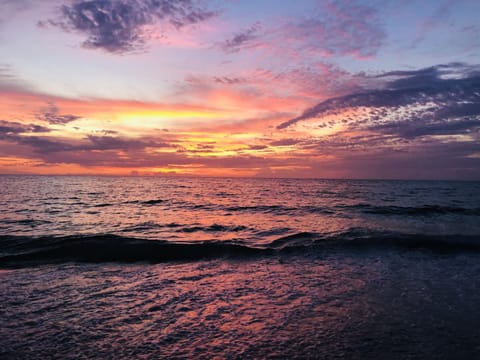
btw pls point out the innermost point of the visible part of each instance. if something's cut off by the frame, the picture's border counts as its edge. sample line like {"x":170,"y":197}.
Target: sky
{"x":380,"y":89}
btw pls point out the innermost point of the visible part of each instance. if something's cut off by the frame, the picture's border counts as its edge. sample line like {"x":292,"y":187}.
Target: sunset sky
{"x":327,"y":89}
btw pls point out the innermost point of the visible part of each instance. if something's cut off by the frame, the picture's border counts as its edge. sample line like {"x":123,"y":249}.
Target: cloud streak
{"x":243,"y":39}
{"x":24,"y":135}
{"x":11,"y":127}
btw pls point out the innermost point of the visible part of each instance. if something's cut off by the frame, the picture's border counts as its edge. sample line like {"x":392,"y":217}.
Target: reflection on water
{"x":273,"y":287}
{"x":252,"y":210}
{"x":335,"y":306}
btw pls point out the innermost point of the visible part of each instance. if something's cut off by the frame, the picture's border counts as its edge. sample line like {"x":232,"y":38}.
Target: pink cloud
{"x":335,"y":28}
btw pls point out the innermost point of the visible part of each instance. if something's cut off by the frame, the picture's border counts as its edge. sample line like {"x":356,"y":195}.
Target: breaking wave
{"x":19,"y":251}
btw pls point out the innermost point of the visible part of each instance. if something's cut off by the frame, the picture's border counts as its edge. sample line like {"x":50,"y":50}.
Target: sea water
{"x":170,"y":267}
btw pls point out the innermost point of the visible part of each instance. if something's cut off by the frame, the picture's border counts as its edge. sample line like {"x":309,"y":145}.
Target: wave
{"x":103,"y":205}
{"x":24,"y":251}
{"x":425,"y":210}
{"x":179,"y":228}
{"x":260,"y":208}
{"x":21,"y":251}
{"x":281,"y":209}
{"x":213,"y":228}
{"x":27,"y":222}
{"x":150,"y":225}
{"x":152,"y":202}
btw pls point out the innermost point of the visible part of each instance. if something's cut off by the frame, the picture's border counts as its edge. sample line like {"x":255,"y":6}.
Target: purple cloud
{"x":243,"y":39}
{"x":335,"y":28}
{"x":106,"y":142}
{"x":22,"y":134}
{"x":52,"y":116}
{"x":285,"y":142}
{"x":348,"y":28}
{"x":118,"y":26}
{"x":418,"y":124}
{"x":228,"y":80}
{"x":427,"y":99}
{"x":8,"y":128}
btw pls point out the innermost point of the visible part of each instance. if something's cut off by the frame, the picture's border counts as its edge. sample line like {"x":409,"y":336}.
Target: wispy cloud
{"x":9,"y":80}
{"x":285,"y":142}
{"x":439,"y":17}
{"x":339,"y":28}
{"x":335,"y":28}
{"x":285,"y":90}
{"x":6,"y":73}
{"x":228,"y":80}
{"x":11,"y":7}
{"x":52,"y":116}
{"x":107,"y":142}
{"x":120,"y":26}
{"x":244,"y":39}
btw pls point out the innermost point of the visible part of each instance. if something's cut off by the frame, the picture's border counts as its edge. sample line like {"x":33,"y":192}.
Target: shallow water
{"x":121,"y":268}
{"x":339,"y":305}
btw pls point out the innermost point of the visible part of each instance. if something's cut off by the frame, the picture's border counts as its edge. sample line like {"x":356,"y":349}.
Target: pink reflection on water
{"x":282,"y":307}
{"x":233,"y":305}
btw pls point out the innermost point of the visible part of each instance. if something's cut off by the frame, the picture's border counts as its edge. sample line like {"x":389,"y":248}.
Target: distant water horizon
{"x":182,"y":267}
{"x":253,"y":210}
{"x":199,"y":176}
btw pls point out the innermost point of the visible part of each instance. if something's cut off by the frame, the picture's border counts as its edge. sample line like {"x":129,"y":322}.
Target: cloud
{"x":52,"y":116}
{"x":411,"y":130}
{"x":10,"y":8}
{"x":257,"y":147}
{"x":339,"y":28}
{"x":118,"y":143}
{"x":242,"y":39}
{"x":421,"y":123}
{"x":8,"y":128}
{"x":263,"y":93}
{"x":228,"y":80}
{"x":334,"y":28}
{"x":430,"y":161}
{"x":9,"y":80}
{"x":285,"y":142}
{"x":443,"y":99}
{"x":119,"y":26}
{"x":6,"y":73}
{"x":121,"y":152}
{"x":316,"y":80}
{"x":439,"y":17}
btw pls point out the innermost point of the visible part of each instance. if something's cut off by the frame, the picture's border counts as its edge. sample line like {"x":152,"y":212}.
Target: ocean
{"x":181,"y":267}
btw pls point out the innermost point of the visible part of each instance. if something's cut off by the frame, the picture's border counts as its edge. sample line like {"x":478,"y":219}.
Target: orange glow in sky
{"x":307,"y":89}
